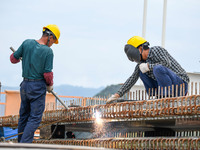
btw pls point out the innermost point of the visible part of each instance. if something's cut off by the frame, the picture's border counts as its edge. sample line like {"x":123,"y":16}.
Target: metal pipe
{"x":164,"y":22}
{"x":144,"y":19}
{"x":59,"y":99}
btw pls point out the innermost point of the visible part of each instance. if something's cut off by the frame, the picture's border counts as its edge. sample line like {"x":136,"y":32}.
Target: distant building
{"x":194,"y":77}
{"x":194,"y":84}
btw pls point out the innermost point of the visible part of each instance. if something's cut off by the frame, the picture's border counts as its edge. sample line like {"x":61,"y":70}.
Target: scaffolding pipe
{"x":164,"y":22}
{"x":144,"y":19}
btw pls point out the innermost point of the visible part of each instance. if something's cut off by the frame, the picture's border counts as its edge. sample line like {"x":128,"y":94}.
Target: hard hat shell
{"x":132,"y":53}
{"x":53,"y":28}
{"x":136,"y":41}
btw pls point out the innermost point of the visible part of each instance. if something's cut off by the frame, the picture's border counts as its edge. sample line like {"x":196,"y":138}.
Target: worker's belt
{"x":26,"y":79}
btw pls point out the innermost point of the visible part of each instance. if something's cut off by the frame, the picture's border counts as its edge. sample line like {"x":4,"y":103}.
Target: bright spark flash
{"x":98,"y":120}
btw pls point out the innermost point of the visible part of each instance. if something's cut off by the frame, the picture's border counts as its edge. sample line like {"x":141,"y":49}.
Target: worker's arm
{"x":13,"y":59}
{"x":161,"y":57}
{"x":48,"y":74}
{"x":126,"y":86}
{"x":129,"y":82}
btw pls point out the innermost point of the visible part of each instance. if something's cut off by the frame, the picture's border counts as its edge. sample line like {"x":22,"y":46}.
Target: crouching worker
{"x":37,"y":65}
{"x":155,"y":67}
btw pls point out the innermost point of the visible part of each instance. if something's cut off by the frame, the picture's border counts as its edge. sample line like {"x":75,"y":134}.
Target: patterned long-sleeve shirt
{"x":157,"y":56}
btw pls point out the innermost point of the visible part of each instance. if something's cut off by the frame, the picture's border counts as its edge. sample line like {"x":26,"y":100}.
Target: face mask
{"x":132,"y":53}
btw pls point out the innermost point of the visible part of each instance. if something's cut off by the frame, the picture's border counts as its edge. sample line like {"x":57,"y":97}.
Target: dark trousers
{"x":33,"y":95}
{"x":164,"y":78}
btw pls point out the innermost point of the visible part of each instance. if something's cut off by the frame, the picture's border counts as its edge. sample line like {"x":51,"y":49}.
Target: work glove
{"x":144,"y":67}
{"x":49,"y":88}
{"x":112,"y":98}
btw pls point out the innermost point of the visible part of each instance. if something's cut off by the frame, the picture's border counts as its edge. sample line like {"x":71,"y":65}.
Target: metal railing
{"x":76,"y":101}
{"x":164,"y":107}
{"x":163,"y":92}
{"x":132,"y":143}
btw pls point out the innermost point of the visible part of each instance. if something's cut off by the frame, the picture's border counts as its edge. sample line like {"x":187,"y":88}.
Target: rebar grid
{"x":132,"y":143}
{"x":165,"y":107}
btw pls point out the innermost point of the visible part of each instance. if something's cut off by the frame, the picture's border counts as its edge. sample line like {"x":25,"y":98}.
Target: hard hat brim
{"x":56,"y":42}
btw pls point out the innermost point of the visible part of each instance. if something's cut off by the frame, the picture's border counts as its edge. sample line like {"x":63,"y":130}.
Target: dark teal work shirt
{"x":36,"y":59}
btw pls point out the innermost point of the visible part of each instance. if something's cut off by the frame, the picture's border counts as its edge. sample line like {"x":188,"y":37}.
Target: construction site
{"x":136,"y":121}
{"x":134,"y":117}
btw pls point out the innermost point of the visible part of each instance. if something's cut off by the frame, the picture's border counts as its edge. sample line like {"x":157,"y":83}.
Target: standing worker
{"x":155,"y":66}
{"x":37,"y":65}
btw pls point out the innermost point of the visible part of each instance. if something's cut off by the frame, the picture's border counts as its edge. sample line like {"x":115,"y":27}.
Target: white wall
{"x":194,"y":84}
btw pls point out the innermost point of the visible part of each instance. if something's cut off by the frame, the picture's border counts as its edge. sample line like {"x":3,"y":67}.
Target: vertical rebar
{"x":158,"y":92}
{"x":195,"y":88}
{"x":136,"y":95}
{"x":199,"y":87}
{"x":149,"y":94}
{"x":176,"y":90}
{"x":169,"y":94}
{"x":165,"y":92}
{"x":188,"y":93}
{"x":139,"y":95}
{"x":172,"y":90}
{"x":130,"y":96}
{"x":191,"y":88}
{"x":145,"y":94}
{"x":142,"y":95}
{"x":180,"y":90}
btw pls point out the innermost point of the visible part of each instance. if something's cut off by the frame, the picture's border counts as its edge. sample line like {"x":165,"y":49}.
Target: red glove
{"x":13,"y":59}
{"x":48,"y":76}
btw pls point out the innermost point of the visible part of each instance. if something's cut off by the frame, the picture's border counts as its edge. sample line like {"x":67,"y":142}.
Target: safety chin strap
{"x":48,"y":41}
{"x":144,"y":47}
{"x":49,"y":34}
{"x":142,"y":60}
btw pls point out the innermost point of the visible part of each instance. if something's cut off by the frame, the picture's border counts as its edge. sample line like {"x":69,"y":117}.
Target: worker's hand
{"x":112,"y":98}
{"x":144,"y":67}
{"x":49,"y":88}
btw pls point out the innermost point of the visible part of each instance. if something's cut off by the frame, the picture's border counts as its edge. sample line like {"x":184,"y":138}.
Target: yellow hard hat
{"x":53,"y":28}
{"x":136,"y":41}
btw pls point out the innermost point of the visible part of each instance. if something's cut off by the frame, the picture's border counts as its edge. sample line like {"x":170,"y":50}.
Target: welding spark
{"x":98,"y":119}
{"x":99,"y":125}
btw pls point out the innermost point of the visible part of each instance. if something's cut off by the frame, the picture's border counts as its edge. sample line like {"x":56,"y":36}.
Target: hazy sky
{"x":93,"y":35}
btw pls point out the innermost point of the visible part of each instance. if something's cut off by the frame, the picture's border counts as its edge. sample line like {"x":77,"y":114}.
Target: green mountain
{"x":68,"y":90}
{"x":108,"y":91}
